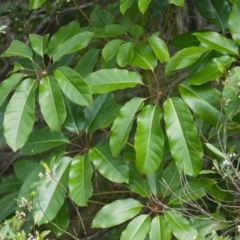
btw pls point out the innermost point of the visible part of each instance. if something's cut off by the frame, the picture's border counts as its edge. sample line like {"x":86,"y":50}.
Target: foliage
{"x":167,"y":153}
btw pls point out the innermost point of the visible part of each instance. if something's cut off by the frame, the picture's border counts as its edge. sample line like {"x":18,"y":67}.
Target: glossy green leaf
{"x":101,"y":17}
{"x":18,"y":49}
{"x":39,"y":43}
{"x":204,"y":102}
{"x":211,"y":71}
{"x":214,"y":11}
{"x":184,"y":58}
{"x":192,"y":190}
{"x":19,"y":115}
{"x":159,"y":47}
{"x":153,"y":181}
{"x":215,"y":41}
{"x":8,"y":85}
{"x":23,"y":168}
{"x":184,"y":143}
{"x":144,"y":57}
{"x":50,"y":194}
{"x":137,"y":229}
{"x":116,"y":212}
{"x":180,"y":226}
{"x":10,"y":183}
{"x":184,"y":40}
{"x":34,"y":4}
{"x":107,"y":80}
{"x":125,"y":5}
{"x":79,"y":183}
{"x":233,"y":21}
{"x":178,"y":3}
{"x":159,"y":229}
{"x":136,"y":30}
{"x":42,"y":140}
{"x":73,"y":86}
{"x":149,"y":140}
{"x":125,"y":54}
{"x":123,"y":124}
{"x":114,"y":169}
{"x":63,"y":34}
{"x":110,"y":49}
{"x":73,"y":44}
{"x":143,"y":5}
{"x":51,"y":103}
{"x":111,"y":30}
{"x":87,"y":62}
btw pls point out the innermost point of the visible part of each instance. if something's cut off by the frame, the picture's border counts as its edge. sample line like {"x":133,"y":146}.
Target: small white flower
{"x":226,"y":163}
{"x":40,"y":175}
{"x":213,"y":168}
{"x":23,"y":214}
{"x":238,"y":228}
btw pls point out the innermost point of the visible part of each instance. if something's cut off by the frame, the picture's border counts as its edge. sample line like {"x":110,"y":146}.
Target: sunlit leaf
{"x":159,"y":229}
{"x":125,"y":5}
{"x":125,"y":54}
{"x":143,"y":5}
{"x":233,"y":21}
{"x":39,"y":43}
{"x":34,"y":4}
{"x":110,"y":49}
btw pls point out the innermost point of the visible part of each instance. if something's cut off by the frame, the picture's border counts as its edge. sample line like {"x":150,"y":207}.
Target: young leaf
{"x":143,"y":5}
{"x":19,"y":115}
{"x":233,"y":21}
{"x":114,"y":169}
{"x":125,"y":5}
{"x":180,"y":226}
{"x":7,"y":86}
{"x":123,"y":124}
{"x":18,"y":49}
{"x":159,"y":47}
{"x":79,"y":183}
{"x":178,"y":3}
{"x":116,"y":213}
{"x":184,"y":58}
{"x":51,"y":103}
{"x":110,"y":49}
{"x":137,"y":229}
{"x":73,"y":86}
{"x":34,"y":4}
{"x":216,"y":151}
{"x":63,"y":34}
{"x":108,"y":80}
{"x":149,"y":140}
{"x":39,"y":43}
{"x":215,"y":41}
{"x":125,"y":54}
{"x":50,"y":194}
{"x":73,"y":44}
{"x":42,"y":140}
{"x":159,"y":229}
{"x":184,"y":143}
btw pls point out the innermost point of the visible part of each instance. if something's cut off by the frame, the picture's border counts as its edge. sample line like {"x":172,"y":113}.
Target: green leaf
{"x":143,"y":5}
{"x":116,"y":213}
{"x":211,"y":71}
{"x":34,"y":4}
{"x":73,"y":44}
{"x":159,"y":47}
{"x":23,"y":168}
{"x":159,"y":229}
{"x":184,"y":143}
{"x":51,"y":103}
{"x":125,"y":54}
{"x":79,"y":183}
{"x":216,"y":150}
{"x":114,"y":169}
{"x":123,"y":124}
{"x":125,"y":5}
{"x":10,"y":183}
{"x":144,"y":57}
{"x":204,"y":102}
{"x":192,"y":190}
{"x":110,"y":49}
{"x":73,"y":86}
{"x":87,"y":62}
{"x":179,"y":3}
{"x":18,"y":49}
{"x":50,"y":194}
{"x":8,"y":85}
{"x":137,"y":229}
{"x":180,"y":226}
{"x":233,"y":21}
{"x":184,"y":58}
{"x":136,"y":30}
{"x":63,"y":34}
{"x":39,"y":43}
{"x":111,"y":30}
{"x":108,"y":80}
{"x":217,"y":42}
{"x":101,"y":17}
{"x":153,"y":181}
{"x":42,"y":140}
{"x":184,"y":40}
{"x":214,"y":11}
{"x":149,"y":140}
{"x":19,"y":116}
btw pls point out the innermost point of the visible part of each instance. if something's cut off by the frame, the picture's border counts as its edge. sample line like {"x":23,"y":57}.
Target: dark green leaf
{"x":125,"y":54}
{"x":110,"y":49}
{"x":10,"y":183}
{"x":159,"y":229}
{"x":116,"y":212}
{"x":233,"y":21}
{"x":101,"y":17}
{"x":19,"y":115}
{"x":184,"y":40}
{"x":178,"y":3}
{"x":153,"y":181}
{"x":34,"y":4}
{"x":39,"y":43}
